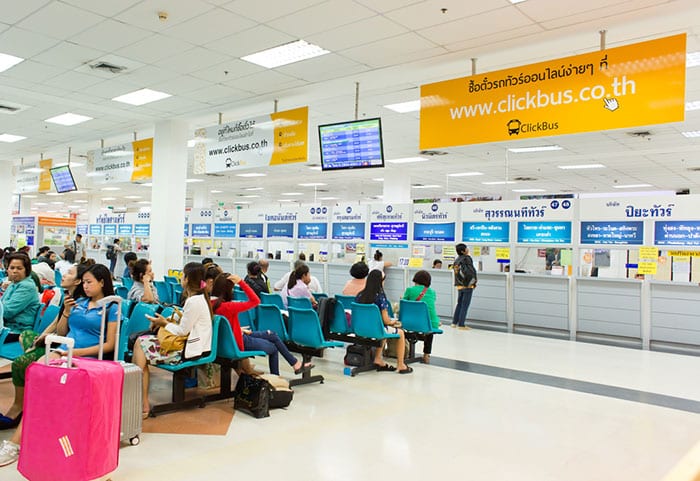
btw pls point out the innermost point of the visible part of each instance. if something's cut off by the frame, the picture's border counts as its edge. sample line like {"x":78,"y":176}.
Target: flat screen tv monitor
{"x":63,"y":179}
{"x":351,"y":145}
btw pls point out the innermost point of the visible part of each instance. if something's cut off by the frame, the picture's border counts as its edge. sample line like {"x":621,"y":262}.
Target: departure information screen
{"x":63,"y":179}
{"x":351,"y":145}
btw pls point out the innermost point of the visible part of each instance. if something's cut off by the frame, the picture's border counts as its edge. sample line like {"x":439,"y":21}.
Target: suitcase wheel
{"x":135,"y":441}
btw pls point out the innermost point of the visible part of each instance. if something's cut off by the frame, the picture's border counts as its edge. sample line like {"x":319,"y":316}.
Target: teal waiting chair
{"x":121,"y":291}
{"x":299,"y":302}
{"x":415,"y":321}
{"x":270,"y":319}
{"x":127,"y":282}
{"x":346,"y":301}
{"x":307,"y":338}
{"x":273,"y":299}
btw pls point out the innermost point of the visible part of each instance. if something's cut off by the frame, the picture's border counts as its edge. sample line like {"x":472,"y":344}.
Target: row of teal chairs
{"x":45,"y":315}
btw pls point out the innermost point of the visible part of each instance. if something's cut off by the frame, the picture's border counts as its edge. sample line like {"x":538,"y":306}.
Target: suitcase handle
{"x":104,"y":303}
{"x":52,"y":338}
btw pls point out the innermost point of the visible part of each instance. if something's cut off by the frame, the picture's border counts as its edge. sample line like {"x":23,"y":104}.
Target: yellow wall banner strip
{"x":45,"y":176}
{"x":638,"y":84}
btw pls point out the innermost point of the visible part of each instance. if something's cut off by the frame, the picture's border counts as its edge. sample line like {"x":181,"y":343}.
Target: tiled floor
{"x":443,"y":423}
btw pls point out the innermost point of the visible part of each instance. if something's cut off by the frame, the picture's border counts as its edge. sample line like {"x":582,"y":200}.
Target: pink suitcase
{"x":71,"y":420}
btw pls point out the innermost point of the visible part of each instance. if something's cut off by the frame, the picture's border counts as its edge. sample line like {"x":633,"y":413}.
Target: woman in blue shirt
{"x":20,"y":301}
{"x":373,"y":293}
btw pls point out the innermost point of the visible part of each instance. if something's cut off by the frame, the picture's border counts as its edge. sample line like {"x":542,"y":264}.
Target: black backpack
{"x":111,"y":254}
{"x":252,"y":394}
{"x":326,"y":313}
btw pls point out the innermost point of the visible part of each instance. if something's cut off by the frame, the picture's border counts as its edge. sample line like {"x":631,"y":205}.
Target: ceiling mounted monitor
{"x":63,"y":179}
{"x":351,"y":145}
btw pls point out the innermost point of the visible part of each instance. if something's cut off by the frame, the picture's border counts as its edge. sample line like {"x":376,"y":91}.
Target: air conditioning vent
{"x":640,"y":133}
{"x":215,"y":175}
{"x":432,"y":152}
{"x":524,"y":179}
{"x":107,"y":67}
{"x":10,"y":108}
{"x":694,"y":169}
{"x":6,"y":109}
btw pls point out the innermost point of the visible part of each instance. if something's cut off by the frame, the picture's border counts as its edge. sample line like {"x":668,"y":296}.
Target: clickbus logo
{"x":516,"y":127}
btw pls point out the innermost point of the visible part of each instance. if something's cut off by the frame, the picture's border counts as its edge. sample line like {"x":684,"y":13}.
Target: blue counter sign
{"x":348,"y":231}
{"x":284,"y":229}
{"x":187,"y":230}
{"x":82,"y":229}
{"x":142,"y":230}
{"x":251,"y":231}
{"x":125,"y":229}
{"x":95,"y":229}
{"x":388,"y":231}
{"x":110,"y":229}
{"x":485,"y":232}
{"x":434,"y":232}
{"x":544,"y":232}
{"x":225,"y":230}
{"x":626,"y":233}
{"x":201,"y":230}
{"x":677,"y":233}
{"x":312,"y":230}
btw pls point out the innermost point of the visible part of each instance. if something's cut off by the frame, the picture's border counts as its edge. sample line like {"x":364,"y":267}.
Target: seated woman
{"x":255,"y":279}
{"x":142,"y":290}
{"x":83,"y":318}
{"x":378,"y":263}
{"x":358,"y":271}
{"x":421,"y":291}
{"x":298,"y":285}
{"x":373,"y":293}
{"x":224,"y":305}
{"x":196,"y":324}
{"x":33,"y":345}
{"x":20,"y":301}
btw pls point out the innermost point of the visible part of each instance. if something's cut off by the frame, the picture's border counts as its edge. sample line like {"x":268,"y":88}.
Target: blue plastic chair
{"x":272,"y":299}
{"x":227,"y":347}
{"x":171,"y":280}
{"x":164,"y":293}
{"x":270,"y":319}
{"x":339,"y":323}
{"x":305,"y":329}
{"x":121,"y":291}
{"x":415,"y":318}
{"x":137,"y":322}
{"x":49,"y":315}
{"x":345,"y":300}
{"x":127,"y":306}
{"x":299,"y":302}
{"x":319,"y":295}
{"x":177,"y":294}
{"x":127,"y":282}
{"x":367,"y":322}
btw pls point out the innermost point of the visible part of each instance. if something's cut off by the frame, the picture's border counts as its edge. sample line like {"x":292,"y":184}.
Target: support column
{"x":397,"y":188}
{"x":7,"y":187}
{"x":200,"y":198}
{"x":168,"y":196}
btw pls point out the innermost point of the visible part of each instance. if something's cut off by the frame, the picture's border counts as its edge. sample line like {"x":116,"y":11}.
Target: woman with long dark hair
{"x":298,"y":285}
{"x":373,"y":293}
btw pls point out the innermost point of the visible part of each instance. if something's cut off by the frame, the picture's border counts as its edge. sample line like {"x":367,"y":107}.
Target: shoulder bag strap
{"x":420,"y":296}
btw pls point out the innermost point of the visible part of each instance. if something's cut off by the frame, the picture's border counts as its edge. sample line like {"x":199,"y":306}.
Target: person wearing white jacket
{"x":195,"y":324}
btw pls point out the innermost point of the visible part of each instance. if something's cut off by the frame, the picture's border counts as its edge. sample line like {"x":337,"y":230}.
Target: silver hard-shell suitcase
{"x":132,"y":392}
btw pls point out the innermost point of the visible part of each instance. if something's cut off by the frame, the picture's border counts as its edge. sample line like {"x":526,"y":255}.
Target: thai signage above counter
{"x":130,"y":162}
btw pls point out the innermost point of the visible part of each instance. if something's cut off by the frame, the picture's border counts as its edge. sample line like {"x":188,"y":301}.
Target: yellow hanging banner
{"x":45,"y":175}
{"x":638,"y":84}
{"x":646,"y":268}
{"x":143,"y":159}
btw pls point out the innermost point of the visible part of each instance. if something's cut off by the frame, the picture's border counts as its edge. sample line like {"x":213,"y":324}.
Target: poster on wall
{"x":389,"y":222}
{"x":130,"y":162}
{"x":638,"y":84}
{"x":275,"y":139}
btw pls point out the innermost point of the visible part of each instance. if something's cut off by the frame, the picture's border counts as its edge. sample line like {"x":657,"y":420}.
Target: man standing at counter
{"x":465,"y":281}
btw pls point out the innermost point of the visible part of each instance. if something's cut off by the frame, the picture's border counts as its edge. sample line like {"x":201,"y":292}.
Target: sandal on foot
{"x":385,"y":367}
{"x":408,"y":370}
{"x":304,"y":368}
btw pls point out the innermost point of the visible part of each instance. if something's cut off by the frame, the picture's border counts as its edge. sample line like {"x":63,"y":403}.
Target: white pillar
{"x":7,"y":187}
{"x":200,"y":197}
{"x":168,"y":195}
{"x":397,"y":188}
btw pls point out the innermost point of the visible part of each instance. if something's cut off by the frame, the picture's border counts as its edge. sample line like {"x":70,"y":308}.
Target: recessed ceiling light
{"x":9,"y":138}
{"x":109,"y":198}
{"x":57,"y":203}
{"x":33,"y":170}
{"x":539,"y":148}
{"x":581,"y":166}
{"x":692,"y":59}
{"x":694,"y":105}
{"x":529,"y":190}
{"x":141,"y":97}
{"x":464,"y":174}
{"x":254,"y":188}
{"x":404,"y":107}
{"x":407,"y":160}
{"x":285,"y":54}
{"x":285,"y":200}
{"x":252,"y":196}
{"x":631,"y":186}
{"x":328,"y":198}
{"x":500,"y":182}
{"x":110,"y":188}
{"x":132,"y":196}
{"x":241,"y":202}
{"x":516,"y":1}
{"x":315,"y":168}
{"x":691,"y":134}
{"x":147,"y":184}
{"x":217,"y":191}
{"x":458,"y":193}
{"x":68,"y":119}
{"x":80,"y":201}
{"x":192,"y":181}
{"x":52,"y":211}
{"x":53,"y":194}
{"x":29,"y":196}
{"x":73,"y":206}
{"x":430,"y":186}
{"x":378,"y":179}
{"x":292,"y":193}
{"x":312,"y":184}
{"x":40,"y":203}
{"x":144,"y":202}
{"x":251,"y":174}
{"x":8,"y":61}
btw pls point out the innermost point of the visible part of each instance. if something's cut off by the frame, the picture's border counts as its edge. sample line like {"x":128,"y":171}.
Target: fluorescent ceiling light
{"x":109,"y":198}
{"x":328,"y":198}
{"x":57,"y":203}
{"x":691,"y":134}
{"x":192,"y":181}
{"x":28,"y":196}
{"x":217,"y":191}
{"x":407,"y":160}
{"x":68,"y":119}
{"x":539,"y":148}
{"x":378,"y":179}
{"x":430,"y":186}
{"x":694,"y":105}
{"x":141,"y":97}
{"x":529,"y":190}
{"x":40,"y":203}
{"x":53,"y":194}
{"x":404,"y":107}
{"x":9,"y":138}
{"x":464,"y":174}
{"x":312,"y":184}
{"x":251,"y":174}
{"x":315,"y":168}
{"x":147,"y":184}
{"x":458,"y":193}
{"x":692,"y":59}
{"x":73,"y":206}
{"x":33,"y":170}
{"x":252,"y":196}
{"x":285,"y":54}
{"x":514,"y":2}
{"x":8,"y":61}
{"x":500,"y":182}
{"x":241,"y":202}
{"x":631,"y":186}
{"x":285,"y":200}
{"x":132,"y":196}
{"x":110,"y":188}
{"x":292,"y":193}
{"x":80,"y":201}
{"x":144,"y":202}
{"x":254,"y":188}
{"x":581,"y":166}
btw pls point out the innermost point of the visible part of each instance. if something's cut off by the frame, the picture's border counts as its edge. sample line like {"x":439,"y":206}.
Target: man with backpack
{"x":465,"y":281}
{"x":112,"y":255}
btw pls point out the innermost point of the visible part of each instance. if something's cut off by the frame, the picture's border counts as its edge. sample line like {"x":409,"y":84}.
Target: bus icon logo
{"x":513,"y":127}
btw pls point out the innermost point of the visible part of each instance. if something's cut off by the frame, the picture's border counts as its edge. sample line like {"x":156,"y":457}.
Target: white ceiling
{"x":390,"y":47}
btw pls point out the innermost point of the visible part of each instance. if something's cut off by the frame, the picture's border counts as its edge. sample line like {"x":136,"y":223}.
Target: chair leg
{"x":306,"y":377}
{"x":412,"y":352}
